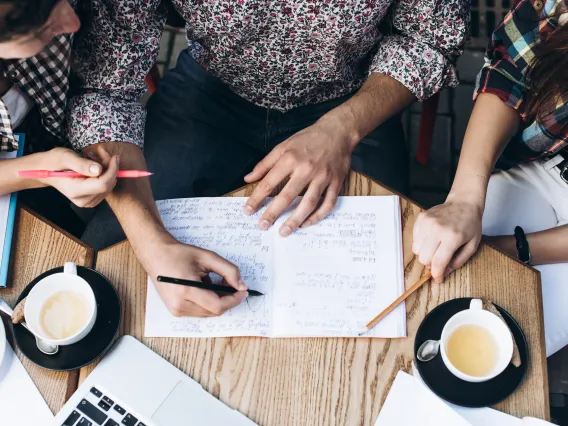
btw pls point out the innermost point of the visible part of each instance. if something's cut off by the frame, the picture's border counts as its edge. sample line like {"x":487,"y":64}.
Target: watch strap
{"x":523,"y":251}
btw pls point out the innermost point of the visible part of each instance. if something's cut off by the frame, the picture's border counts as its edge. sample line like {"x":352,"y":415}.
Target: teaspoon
{"x":428,"y":350}
{"x":42,"y":345}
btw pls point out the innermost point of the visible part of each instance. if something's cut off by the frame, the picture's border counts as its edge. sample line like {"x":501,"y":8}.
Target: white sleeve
{"x":18,"y":104}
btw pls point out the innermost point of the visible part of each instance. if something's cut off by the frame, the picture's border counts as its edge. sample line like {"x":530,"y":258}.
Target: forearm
{"x":132,"y":200}
{"x":491,"y":126}
{"x":546,"y":247}
{"x":9,"y":180}
{"x":380,"y":98}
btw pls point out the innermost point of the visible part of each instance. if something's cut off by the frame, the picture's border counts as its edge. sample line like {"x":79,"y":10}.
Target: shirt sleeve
{"x":112,"y":58}
{"x":428,"y":37}
{"x":511,"y":49}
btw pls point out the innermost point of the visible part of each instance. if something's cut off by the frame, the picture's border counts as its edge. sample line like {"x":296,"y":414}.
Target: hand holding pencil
{"x":41,"y":174}
{"x":95,"y":178}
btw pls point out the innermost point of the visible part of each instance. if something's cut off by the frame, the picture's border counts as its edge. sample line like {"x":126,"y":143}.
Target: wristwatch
{"x":523,"y":251}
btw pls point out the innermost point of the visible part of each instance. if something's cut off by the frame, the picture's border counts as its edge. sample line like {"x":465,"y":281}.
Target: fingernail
{"x":305,"y":224}
{"x":285,"y":231}
{"x":95,"y":169}
{"x":242,"y":285}
{"x":248,"y":210}
{"x":264,"y":225}
{"x":448,"y":270}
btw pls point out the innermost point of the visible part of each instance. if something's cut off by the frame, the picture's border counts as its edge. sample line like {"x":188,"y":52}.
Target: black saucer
{"x":88,"y":349}
{"x":447,"y":386}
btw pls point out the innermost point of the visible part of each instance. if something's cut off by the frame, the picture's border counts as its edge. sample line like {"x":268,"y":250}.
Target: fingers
{"x":72,"y":161}
{"x":265,"y":188}
{"x":326,"y":207}
{"x":103,"y":155}
{"x":264,"y":166}
{"x":104,"y":183}
{"x":441,"y":260}
{"x":215,"y":303}
{"x":428,"y":249}
{"x":308,"y":204}
{"x":419,"y":234}
{"x":229,"y":271}
{"x":463,"y":255}
{"x":177,"y":301}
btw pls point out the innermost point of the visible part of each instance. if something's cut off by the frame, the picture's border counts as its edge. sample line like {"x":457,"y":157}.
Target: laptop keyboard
{"x":98,"y":409}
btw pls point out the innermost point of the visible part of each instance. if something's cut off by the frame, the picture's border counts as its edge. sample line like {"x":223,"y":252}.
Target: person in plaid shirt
{"x":520,"y":124}
{"x":35,"y":49}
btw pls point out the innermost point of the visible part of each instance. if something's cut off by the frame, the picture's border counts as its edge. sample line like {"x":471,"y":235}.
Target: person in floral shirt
{"x":269,"y":91}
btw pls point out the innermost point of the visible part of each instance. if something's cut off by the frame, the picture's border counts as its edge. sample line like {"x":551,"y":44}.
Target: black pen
{"x":205,"y":286}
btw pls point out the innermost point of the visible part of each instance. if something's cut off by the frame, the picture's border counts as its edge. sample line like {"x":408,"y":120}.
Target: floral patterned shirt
{"x":278,"y":54}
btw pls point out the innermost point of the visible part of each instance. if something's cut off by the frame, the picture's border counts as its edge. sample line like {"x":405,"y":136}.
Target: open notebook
{"x":326,"y":280}
{"x":7,"y":217}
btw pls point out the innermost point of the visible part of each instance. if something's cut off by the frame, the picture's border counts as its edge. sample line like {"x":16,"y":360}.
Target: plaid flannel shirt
{"x":508,"y":56}
{"x":45,"y":79}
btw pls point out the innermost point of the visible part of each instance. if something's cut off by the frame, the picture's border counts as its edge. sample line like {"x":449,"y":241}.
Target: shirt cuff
{"x":418,"y":66}
{"x":94,"y":118}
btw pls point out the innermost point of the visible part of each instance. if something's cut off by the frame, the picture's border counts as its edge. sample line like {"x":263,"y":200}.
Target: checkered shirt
{"x":508,"y":57}
{"x":45,"y":79}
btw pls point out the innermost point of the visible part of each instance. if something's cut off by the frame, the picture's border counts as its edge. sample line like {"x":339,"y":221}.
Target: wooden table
{"x":294,"y":381}
{"x":337,"y":381}
{"x":39,"y":246}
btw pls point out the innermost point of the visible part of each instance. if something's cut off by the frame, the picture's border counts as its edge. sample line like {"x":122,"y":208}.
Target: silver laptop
{"x":133,"y":386}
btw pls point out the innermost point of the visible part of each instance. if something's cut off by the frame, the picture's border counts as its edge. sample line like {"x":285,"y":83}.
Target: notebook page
{"x":334,"y":277}
{"x":4,"y":207}
{"x":409,"y":404}
{"x":217,"y":224}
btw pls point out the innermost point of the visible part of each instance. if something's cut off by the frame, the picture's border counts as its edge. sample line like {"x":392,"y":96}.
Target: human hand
{"x":172,"y":258}
{"x":316,"y":159}
{"x":83,"y":192}
{"x":446,"y":236}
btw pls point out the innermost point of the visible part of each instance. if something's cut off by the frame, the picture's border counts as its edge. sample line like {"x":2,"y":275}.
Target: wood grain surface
{"x":337,"y":381}
{"x":39,"y":246}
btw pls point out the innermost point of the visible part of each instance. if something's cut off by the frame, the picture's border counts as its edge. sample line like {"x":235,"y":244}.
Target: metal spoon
{"x":428,"y":350}
{"x":42,"y":345}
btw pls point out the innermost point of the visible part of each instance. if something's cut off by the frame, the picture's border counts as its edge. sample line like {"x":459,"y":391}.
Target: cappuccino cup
{"x":61,"y":308}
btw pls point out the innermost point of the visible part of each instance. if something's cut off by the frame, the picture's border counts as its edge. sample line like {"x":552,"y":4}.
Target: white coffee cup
{"x":475,"y":315}
{"x":68,"y":280}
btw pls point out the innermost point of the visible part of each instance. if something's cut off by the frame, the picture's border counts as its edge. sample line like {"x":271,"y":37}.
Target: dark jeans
{"x":202,"y":139}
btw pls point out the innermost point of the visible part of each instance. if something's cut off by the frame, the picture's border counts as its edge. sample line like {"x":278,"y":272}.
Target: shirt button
{"x":538,"y":5}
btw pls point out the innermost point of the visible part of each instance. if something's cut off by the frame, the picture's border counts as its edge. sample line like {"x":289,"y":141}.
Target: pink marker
{"x":40,"y":174}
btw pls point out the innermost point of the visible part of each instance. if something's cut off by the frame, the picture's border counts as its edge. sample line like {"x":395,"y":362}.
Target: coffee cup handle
{"x":476,"y":304}
{"x":70,"y":268}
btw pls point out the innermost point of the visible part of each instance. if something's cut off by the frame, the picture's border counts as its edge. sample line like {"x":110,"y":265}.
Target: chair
{"x":426,"y":129}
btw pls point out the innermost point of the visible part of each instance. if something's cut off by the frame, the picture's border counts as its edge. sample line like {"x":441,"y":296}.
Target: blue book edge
{"x":5,"y":265}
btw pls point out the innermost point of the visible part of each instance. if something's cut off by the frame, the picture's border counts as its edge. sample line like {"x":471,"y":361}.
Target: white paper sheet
{"x":333,"y":278}
{"x":218,"y":224}
{"x":20,"y":401}
{"x":325,"y":280}
{"x":481,"y":416}
{"x":409,"y":404}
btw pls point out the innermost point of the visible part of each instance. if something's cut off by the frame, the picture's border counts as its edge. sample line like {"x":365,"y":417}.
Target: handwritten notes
{"x":218,"y":224}
{"x":325,"y":280}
